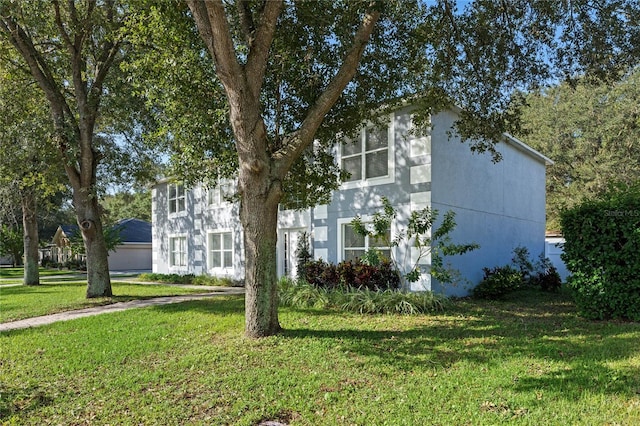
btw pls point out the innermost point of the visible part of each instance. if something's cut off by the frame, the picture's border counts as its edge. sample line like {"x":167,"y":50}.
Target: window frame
{"x":362,"y":154}
{"x":185,"y":252}
{"x":343,"y":223}
{"x":176,"y":199}
{"x":223,"y":249}
{"x":216,"y":195}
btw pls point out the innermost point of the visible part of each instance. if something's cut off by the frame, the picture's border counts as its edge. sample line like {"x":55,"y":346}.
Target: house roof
{"x":131,"y":231}
{"x":134,"y":231}
{"x":69,"y":230}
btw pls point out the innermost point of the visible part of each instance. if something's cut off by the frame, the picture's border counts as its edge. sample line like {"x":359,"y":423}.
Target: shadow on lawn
{"x":217,"y":305}
{"x":21,"y":400}
{"x":560,"y":352}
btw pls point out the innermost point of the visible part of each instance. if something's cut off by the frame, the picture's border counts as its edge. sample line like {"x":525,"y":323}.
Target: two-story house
{"x":498,"y":205}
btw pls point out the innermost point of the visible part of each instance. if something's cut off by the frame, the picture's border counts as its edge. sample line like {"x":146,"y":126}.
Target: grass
{"x":15,"y":275}
{"x":528,"y":360}
{"x":64,"y":294}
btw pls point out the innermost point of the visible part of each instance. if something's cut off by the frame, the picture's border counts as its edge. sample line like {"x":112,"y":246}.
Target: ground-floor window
{"x":178,"y":251}
{"x":220,"y":250}
{"x":355,"y":245}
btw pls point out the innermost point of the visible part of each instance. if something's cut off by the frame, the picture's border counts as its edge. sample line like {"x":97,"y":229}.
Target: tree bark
{"x":30,"y":227}
{"x":259,"y":216}
{"x":89,"y":214}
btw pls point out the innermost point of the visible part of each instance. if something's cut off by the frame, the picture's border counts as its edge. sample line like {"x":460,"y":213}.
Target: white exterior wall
{"x":500,"y":206}
{"x":553,"y":250}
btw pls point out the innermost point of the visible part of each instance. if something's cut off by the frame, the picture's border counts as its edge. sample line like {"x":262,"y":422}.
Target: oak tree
{"x":69,"y":49}
{"x":592,"y":132}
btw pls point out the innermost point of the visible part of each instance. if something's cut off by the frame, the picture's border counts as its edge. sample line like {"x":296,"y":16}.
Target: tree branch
{"x":40,"y":71}
{"x":61,"y":28}
{"x":296,"y":142}
{"x":259,"y":52}
{"x":246,"y":20}
{"x":213,"y":27}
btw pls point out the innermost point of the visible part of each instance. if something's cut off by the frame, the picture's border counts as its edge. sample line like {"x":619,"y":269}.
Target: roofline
{"x":518,"y":144}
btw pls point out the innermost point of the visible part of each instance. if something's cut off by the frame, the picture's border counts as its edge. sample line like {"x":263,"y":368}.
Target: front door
{"x":287,"y":245}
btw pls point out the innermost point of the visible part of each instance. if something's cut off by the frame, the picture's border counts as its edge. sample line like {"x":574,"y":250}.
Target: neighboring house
{"x":499,"y":206}
{"x":60,"y":248}
{"x":553,"y":249}
{"x":135,"y":248}
{"x":133,"y":252}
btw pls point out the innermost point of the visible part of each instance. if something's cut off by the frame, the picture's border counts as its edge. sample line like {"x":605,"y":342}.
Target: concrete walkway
{"x":120,"y":306}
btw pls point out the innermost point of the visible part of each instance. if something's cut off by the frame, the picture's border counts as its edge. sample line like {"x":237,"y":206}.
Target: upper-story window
{"x":177,"y":198}
{"x":370,"y":156}
{"x":220,"y":250}
{"x":221,"y":193}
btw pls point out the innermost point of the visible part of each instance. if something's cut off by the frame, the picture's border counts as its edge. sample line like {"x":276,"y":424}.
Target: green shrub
{"x":211,"y":280}
{"x":498,"y":282}
{"x":76,"y":265}
{"x":392,"y":302}
{"x":167,"y":278}
{"x":602,"y":252}
{"x":301,"y":294}
{"x":548,"y":279}
{"x":540,"y":274}
{"x":190,"y":279}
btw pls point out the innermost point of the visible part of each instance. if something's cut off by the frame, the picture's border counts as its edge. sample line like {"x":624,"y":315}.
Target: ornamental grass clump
{"x":301,"y":294}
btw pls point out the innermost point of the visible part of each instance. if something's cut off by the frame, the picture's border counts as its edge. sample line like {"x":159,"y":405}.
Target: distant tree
{"x":27,"y":155}
{"x":592,"y":132}
{"x":72,"y":51}
{"x":11,"y":244}
{"x":125,"y":205}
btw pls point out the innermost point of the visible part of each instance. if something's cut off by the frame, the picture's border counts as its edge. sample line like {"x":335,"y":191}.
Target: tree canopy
{"x":592,"y":132}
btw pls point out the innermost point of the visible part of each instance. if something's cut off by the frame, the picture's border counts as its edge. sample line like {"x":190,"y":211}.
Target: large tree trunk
{"x":30,"y":227}
{"x":88,"y":213}
{"x":259,"y":216}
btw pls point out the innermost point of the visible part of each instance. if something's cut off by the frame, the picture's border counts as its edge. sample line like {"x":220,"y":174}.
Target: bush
{"x":167,"y":278}
{"x":548,"y":279}
{"x":190,"y":279}
{"x":392,"y":302}
{"x":352,"y":274}
{"x":216,"y":281}
{"x":301,"y":294}
{"x":76,"y":265}
{"x":540,"y":274}
{"x":602,"y":252}
{"x":498,"y":282}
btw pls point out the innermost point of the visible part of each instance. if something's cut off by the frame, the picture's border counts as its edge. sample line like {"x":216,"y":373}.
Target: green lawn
{"x":528,"y":360}
{"x":67,"y":293}
{"x":15,"y":275}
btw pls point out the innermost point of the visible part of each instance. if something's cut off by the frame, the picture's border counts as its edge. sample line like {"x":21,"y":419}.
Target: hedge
{"x":602,"y":252}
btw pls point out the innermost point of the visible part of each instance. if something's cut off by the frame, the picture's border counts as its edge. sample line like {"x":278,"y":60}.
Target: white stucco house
{"x":498,"y":205}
